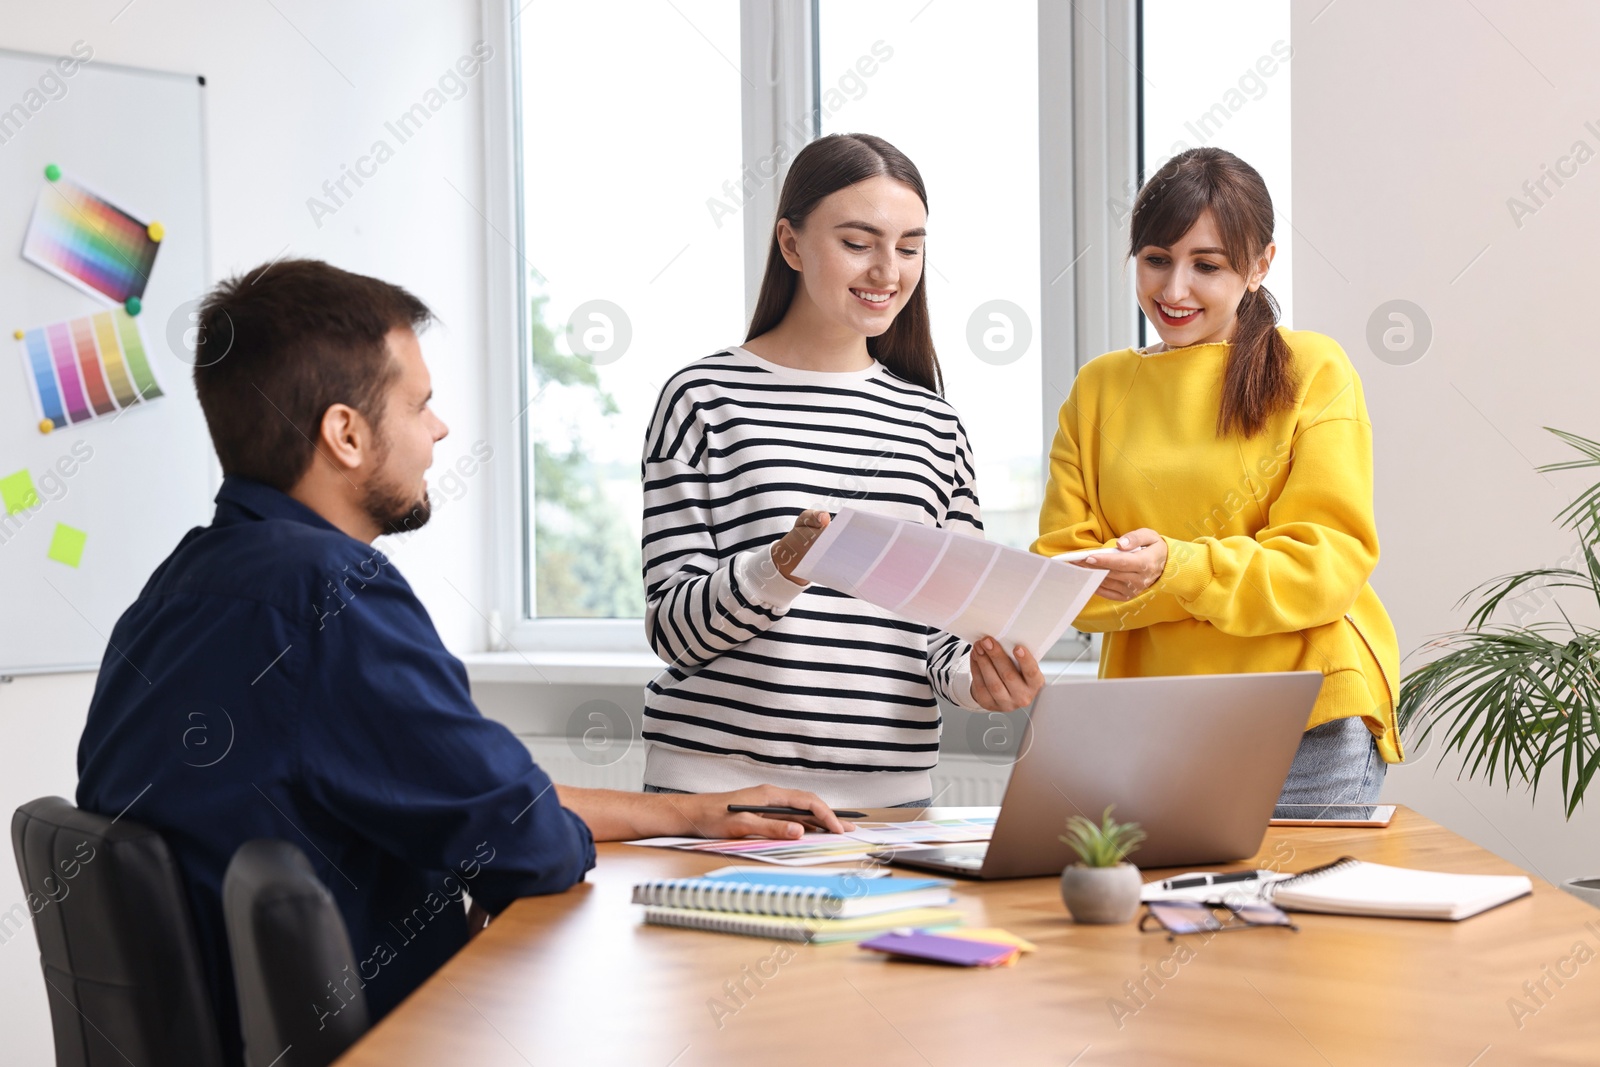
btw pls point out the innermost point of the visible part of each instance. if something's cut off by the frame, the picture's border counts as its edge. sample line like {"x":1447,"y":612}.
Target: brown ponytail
{"x":825,"y":166}
{"x":1260,"y":378}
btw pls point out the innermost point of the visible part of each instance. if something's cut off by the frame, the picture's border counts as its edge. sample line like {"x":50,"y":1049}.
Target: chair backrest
{"x":300,"y":996}
{"x":116,"y":940}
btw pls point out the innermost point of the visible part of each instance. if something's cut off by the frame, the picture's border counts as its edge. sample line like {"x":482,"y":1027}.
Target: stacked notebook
{"x":809,"y":906}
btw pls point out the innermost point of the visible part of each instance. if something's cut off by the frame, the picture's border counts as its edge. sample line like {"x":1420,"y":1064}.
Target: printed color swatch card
{"x":962,"y":585}
{"x":86,"y":368}
{"x":86,"y":241}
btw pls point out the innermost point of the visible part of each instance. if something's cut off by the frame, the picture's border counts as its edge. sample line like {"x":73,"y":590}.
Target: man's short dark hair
{"x":296,"y":337}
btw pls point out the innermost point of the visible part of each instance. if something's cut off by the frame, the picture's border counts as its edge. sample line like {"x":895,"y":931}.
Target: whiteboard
{"x":136,"y":483}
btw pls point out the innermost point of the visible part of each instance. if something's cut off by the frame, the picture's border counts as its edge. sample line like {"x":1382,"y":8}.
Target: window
{"x":626,"y":252}
{"x":974,"y":135}
{"x":629,"y":274}
{"x":1237,"y":99}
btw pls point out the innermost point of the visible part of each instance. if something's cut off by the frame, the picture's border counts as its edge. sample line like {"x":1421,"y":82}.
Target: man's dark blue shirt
{"x":278,"y":678}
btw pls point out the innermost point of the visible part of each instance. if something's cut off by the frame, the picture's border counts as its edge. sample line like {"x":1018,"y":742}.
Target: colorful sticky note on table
{"x":17,"y":492}
{"x":992,"y":934}
{"x":936,"y":948}
{"x":87,"y":367}
{"x":66,"y":545}
{"x":88,"y":242}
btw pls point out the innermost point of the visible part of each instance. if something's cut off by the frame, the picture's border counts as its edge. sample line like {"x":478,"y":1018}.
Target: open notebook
{"x":1353,"y":887}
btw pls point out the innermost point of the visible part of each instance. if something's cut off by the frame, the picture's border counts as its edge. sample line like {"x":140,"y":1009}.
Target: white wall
{"x":1413,"y":125}
{"x":40,"y":721}
{"x":281,"y":119}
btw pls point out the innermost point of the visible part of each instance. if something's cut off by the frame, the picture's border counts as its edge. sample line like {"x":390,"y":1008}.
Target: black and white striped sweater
{"x":768,"y":680}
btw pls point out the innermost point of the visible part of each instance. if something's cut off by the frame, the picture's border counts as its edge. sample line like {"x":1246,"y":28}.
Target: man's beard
{"x":394,"y":510}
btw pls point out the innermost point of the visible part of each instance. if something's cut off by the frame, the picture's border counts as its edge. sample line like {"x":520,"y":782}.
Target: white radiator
{"x":958,"y":781}
{"x":961,"y":781}
{"x":568,"y":762}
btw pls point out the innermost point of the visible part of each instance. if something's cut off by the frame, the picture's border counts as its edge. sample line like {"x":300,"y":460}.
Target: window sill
{"x":629,"y":668}
{"x":563,"y":667}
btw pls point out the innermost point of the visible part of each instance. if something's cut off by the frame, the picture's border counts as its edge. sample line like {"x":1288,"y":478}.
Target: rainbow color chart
{"x":88,"y":242}
{"x":87,"y":368}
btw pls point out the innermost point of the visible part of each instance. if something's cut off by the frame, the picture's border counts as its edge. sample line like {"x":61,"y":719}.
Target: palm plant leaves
{"x":1515,"y":700}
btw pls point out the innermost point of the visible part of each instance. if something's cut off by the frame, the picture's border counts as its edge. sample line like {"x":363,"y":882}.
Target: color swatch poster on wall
{"x":86,"y":241}
{"x":85,"y":368}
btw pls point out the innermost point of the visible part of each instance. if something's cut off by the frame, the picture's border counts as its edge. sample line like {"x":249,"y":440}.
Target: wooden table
{"x":576,"y":979}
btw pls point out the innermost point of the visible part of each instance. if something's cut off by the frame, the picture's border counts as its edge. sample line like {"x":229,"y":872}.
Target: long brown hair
{"x":1260,"y":379}
{"x":822,"y":167}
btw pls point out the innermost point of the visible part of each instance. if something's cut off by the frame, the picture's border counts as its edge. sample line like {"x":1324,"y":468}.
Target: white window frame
{"x":1088,"y":125}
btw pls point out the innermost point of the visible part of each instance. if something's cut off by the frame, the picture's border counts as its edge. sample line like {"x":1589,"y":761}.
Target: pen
{"x":759,"y":809}
{"x":1209,"y":879}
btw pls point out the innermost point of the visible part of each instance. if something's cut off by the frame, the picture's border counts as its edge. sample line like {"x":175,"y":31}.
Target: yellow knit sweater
{"x":1270,"y":539}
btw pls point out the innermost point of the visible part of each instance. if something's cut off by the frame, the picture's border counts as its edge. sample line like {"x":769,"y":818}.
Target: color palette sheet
{"x":87,"y":368}
{"x":807,"y":851}
{"x":962,"y":585}
{"x":925,"y":832}
{"x":88,"y":242}
{"x":855,"y":847}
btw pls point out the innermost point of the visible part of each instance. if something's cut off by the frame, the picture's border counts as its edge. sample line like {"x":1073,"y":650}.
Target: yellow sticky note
{"x":17,"y":492}
{"x":66,"y":546}
{"x":992,"y":935}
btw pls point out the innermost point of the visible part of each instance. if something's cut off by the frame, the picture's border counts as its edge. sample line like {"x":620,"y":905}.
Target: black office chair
{"x":300,"y":997}
{"x":116,"y":940}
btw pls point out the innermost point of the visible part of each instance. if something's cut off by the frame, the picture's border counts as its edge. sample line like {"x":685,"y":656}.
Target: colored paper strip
{"x":44,"y":379}
{"x":133,"y":349}
{"x":89,"y":363}
{"x":105,"y":332}
{"x":67,"y":371}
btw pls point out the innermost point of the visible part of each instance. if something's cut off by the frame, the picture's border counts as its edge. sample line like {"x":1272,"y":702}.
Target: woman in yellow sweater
{"x":1228,"y":473}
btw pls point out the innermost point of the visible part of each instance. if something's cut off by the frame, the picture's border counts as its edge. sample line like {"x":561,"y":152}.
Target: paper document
{"x":815,"y":849}
{"x":924,"y":832}
{"x":808,"y":851}
{"x":962,"y":585}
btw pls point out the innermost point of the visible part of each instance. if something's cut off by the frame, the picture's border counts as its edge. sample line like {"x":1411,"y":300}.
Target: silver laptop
{"x":1197,"y":760}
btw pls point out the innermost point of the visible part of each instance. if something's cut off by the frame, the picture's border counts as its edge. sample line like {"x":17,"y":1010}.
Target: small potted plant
{"x":1104,"y":888}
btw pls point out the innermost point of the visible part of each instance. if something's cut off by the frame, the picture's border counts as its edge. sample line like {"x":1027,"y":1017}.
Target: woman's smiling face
{"x":1191,"y":292}
{"x":860,"y":252}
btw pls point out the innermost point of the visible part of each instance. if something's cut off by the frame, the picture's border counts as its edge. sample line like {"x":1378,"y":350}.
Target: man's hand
{"x":614,"y":815}
{"x":998,"y":684}
{"x":708,"y":813}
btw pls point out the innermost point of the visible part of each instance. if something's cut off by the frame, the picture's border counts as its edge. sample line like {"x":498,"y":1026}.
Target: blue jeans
{"x":914,"y":804}
{"x":1337,"y":763}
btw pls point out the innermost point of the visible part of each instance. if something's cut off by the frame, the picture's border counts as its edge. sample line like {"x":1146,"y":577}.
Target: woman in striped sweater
{"x":835,"y":398}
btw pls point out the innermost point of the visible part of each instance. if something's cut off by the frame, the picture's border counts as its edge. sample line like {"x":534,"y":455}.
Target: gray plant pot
{"x":1585,"y":889}
{"x":1101,"y":894}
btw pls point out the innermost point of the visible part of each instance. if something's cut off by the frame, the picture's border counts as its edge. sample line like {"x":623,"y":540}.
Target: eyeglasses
{"x":1199,"y":917}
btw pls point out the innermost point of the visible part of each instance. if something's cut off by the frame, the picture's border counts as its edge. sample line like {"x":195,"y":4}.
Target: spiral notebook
{"x":792,"y":895}
{"x":812,"y":931}
{"x":1350,"y":886}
